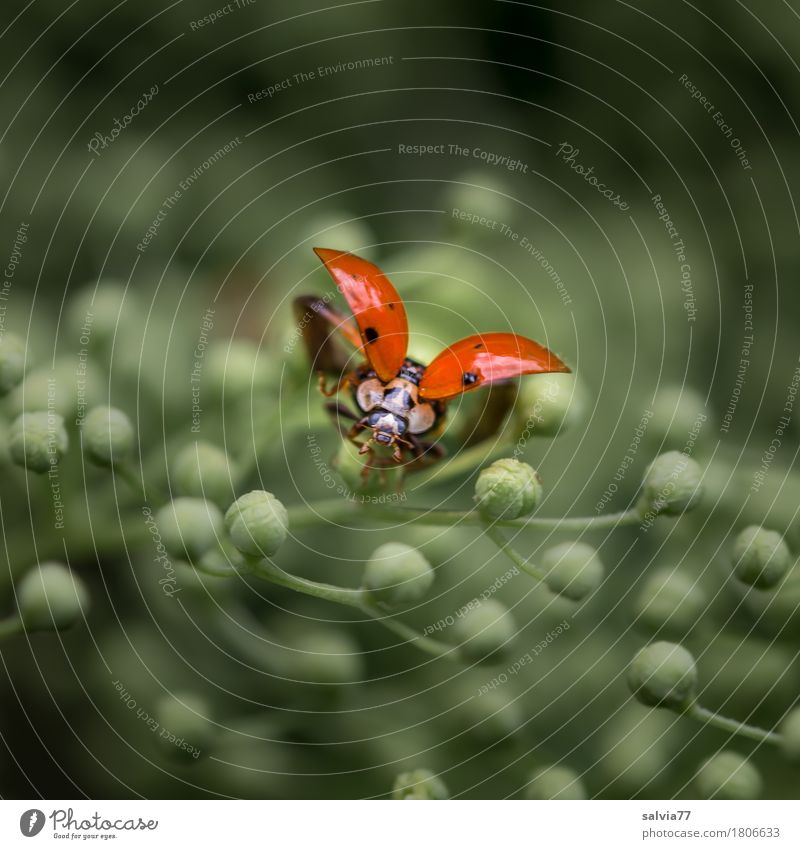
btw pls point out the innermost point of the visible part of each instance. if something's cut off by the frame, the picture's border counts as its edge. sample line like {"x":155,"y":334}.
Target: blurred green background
{"x":278,"y":126}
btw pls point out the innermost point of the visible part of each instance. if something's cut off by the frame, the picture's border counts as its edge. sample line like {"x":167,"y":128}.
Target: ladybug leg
{"x":425,"y":453}
{"x":421,"y":447}
{"x":363,"y":447}
{"x":400,"y":444}
{"x":337,"y":411}
{"x":354,"y":431}
{"x":337,"y":387}
{"x":436,"y":450}
{"x":371,"y":464}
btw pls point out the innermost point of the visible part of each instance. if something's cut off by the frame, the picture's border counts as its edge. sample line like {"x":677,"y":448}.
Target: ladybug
{"x":401,"y":403}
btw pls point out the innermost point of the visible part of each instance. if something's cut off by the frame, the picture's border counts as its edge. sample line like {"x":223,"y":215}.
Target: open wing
{"x":479,"y":360}
{"x":323,"y":328}
{"x":377,"y":307}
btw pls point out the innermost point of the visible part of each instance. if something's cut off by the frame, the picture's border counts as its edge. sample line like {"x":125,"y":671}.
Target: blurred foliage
{"x":285,"y":695}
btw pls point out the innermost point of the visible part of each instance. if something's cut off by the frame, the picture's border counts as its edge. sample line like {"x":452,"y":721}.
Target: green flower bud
{"x":184,"y":729}
{"x":761,"y":557}
{"x":60,"y":390}
{"x":672,"y":484}
{"x":397,"y":574}
{"x":50,"y":597}
{"x":487,"y":193}
{"x":508,"y":489}
{"x":190,"y":527}
{"x":204,"y":471}
{"x":549,"y":404}
{"x":37,"y":441}
{"x":108,"y":436}
{"x":728,"y":775}
{"x":790,"y":735}
{"x":419,"y":784}
{"x":574,"y":570}
{"x":671,"y":600}
{"x":555,"y":782}
{"x":663,"y":675}
{"x":257,"y":523}
{"x":677,"y":412}
{"x":495,"y":717}
{"x":12,"y":362}
{"x":236,"y":369}
{"x":636,"y":744}
{"x":323,"y":655}
{"x":98,"y":312}
{"x":484,"y":631}
{"x":778,"y":612}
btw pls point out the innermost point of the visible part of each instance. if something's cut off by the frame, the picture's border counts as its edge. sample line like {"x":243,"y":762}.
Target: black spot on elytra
{"x":391,"y":306}
{"x":479,"y":345}
{"x":469,"y":378}
{"x":371,"y":333}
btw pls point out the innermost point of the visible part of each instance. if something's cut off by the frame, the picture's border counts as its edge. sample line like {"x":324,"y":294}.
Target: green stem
{"x":340,"y":510}
{"x":127,"y":473}
{"x":222,"y":569}
{"x":352,"y":598}
{"x":732,"y":726}
{"x":474,"y":518}
{"x":10,"y":627}
{"x":270,"y":572}
{"x":333,"y":510}
{"x":513,"y":555}
{"x":421,"y":642}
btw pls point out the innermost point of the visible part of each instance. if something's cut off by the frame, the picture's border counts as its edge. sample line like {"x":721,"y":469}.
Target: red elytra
{"x":398,"y":399}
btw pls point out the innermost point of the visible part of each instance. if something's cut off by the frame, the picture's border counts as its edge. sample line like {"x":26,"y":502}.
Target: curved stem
{"x":328,"y":592}
{"x":733,"y":726}
{"x":413,"y":636}
{"x":333,"y":510}
{"x":352,"y":598}
{"x":474,"y":518}
{"x":339,"y":510}
{"x":513,"y":555}
{"x":229,"y":569}
{"x":128,"y":473}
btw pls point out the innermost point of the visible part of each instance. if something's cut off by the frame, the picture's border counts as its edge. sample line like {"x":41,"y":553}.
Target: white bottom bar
{"x":386,"y":825}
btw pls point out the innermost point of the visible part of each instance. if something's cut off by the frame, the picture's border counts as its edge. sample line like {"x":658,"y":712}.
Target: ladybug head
{"x":387,"y":428}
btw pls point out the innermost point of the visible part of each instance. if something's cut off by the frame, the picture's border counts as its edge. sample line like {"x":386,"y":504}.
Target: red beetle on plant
{"x":399,"y":400}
